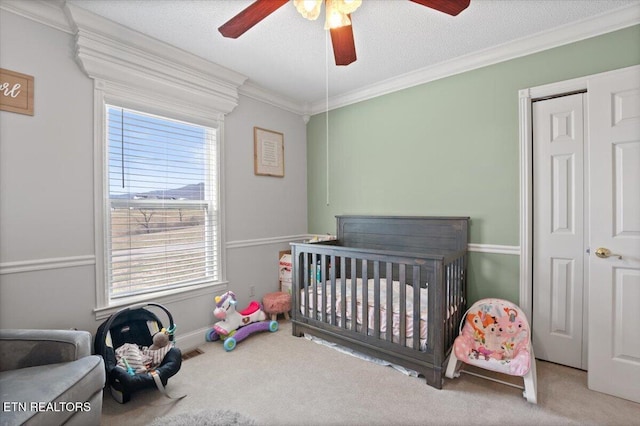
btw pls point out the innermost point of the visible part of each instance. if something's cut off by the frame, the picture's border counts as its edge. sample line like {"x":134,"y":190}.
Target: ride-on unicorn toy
{"x":236,"y":326}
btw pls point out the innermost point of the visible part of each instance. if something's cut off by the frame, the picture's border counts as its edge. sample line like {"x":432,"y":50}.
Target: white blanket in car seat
{"x":140,"y":359}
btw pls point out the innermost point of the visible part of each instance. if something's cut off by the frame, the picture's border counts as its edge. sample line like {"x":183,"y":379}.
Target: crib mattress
{"x":395,"y":297}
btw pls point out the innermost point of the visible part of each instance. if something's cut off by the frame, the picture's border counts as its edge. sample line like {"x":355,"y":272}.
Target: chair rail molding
{"x":86,"y":260}
{"x":267,"y":241}
{"x":46,"y":264}
{"x":494,"y":249}
{"x":472,"y":247}
{"x":109,"y":51}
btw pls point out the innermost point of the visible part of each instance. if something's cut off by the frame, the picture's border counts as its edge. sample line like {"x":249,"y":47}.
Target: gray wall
{"x":262,"y":207}
{"x":47,"y":263}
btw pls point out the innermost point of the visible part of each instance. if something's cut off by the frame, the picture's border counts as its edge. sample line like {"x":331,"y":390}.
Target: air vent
{"x":192,"y":354}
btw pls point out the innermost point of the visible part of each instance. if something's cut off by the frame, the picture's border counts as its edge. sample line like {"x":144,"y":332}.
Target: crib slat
{"x":354,"y":293}
{"x":438,"y":312}
{"x":323,"y":286}
{"x":376,"y":299}
{"x":365,"y":297}
{"x":403,"y":305}
{"x":460,"y":299}
{"x":416,"y":308}
{"x":433,"y":326}
{"x":451,"y":282}
{"x":455,"y":299}
{"x":314,"y":286}
{"x":305,"y":280}
{"x":454,"y":302}
{"x":450,"y":286}
{"x":389,"y":276}
{"x":343,"y":292}
{"x":332,"y":277}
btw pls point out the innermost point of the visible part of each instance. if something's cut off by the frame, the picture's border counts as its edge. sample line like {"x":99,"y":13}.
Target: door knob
{"x":603,"y":253}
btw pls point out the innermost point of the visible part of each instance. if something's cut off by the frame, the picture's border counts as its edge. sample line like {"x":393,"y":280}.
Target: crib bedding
{"x":395,"y":298}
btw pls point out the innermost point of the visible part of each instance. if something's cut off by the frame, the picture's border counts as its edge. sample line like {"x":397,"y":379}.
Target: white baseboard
{"x":190,"y":341}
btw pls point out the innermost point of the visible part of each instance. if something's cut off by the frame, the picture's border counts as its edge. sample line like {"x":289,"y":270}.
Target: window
{"x":162,"y":215}
{"x":153,"y":242}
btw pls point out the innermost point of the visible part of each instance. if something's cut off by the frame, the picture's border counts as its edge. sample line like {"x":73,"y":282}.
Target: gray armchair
{"x":49,"y":377}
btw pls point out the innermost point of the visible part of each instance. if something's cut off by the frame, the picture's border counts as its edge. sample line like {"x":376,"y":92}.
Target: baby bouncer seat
{"x":118,"y":338}
{"x":495,"y":335}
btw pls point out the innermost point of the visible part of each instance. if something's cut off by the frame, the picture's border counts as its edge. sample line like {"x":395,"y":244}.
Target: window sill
{"x":162,"y":297}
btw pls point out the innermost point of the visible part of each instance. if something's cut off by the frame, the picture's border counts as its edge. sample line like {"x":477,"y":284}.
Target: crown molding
{"x":48,"y":13}
{"x":590,"y":27}
{"x":111,"y":52}
{"x":261,"y":94}
{"x":54,"y":14}
{"x":51,"y":13}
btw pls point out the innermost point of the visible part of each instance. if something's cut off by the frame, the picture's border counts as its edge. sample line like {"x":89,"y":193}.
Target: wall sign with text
{"x":16,"y":92}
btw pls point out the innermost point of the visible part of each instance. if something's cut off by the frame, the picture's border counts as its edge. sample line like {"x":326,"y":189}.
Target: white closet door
{"x":558,"y":231}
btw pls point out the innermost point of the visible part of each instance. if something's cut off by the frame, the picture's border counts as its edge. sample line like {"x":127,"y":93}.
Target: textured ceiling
{"x":291,"y":56}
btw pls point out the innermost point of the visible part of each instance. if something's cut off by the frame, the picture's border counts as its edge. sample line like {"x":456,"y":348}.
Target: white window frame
{"x":209,"y":204}
{"x":138,"y":72}
{"x":106,"y":93}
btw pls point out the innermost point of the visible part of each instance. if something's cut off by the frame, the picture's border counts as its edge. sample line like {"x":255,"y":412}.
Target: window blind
{"x":163,"y":218}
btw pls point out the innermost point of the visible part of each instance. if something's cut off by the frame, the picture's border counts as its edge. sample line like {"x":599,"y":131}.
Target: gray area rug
{"x":209,"y":417}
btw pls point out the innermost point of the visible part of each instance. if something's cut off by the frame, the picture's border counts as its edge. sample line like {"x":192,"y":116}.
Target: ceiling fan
{"x":338,"y":19}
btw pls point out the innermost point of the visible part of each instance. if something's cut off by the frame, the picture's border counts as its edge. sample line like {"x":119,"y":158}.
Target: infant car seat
{"x":135,"y":324}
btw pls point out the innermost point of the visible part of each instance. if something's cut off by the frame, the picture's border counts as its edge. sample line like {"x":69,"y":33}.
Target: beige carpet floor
{"x":278,"y":379}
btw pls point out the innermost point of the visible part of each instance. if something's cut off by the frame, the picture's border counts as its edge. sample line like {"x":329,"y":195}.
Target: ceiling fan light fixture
{"x":338,"y":19}
{"x":335,"y":17}
{"x":309,"y":9}
{"x":348,"y":6}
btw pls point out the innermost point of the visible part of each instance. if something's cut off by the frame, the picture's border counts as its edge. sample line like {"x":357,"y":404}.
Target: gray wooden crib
{"x":341,"y":291}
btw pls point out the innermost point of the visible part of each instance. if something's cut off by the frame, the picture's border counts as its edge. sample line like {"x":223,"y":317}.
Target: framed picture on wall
{"x":268,"y":156}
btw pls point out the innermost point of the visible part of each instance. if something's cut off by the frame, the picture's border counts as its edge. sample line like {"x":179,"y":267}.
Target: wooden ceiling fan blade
{"x":250,"y":16}
{"x":451,"y":7}
{"x":344,"y":46}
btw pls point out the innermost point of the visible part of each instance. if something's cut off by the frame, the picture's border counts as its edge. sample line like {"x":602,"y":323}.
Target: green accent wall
{"x":448,"y":147}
